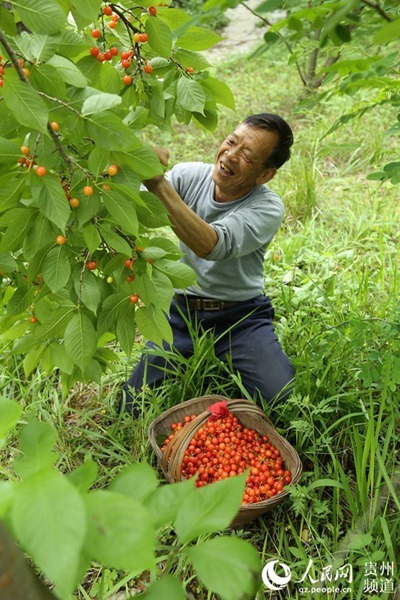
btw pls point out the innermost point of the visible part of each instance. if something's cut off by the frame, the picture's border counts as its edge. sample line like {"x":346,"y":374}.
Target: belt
{"x":207,"y":304}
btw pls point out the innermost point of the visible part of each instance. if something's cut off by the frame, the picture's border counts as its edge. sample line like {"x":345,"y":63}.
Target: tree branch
{"x":376,"y":6}
{"x":264,"y":20}
{"x":17,"y":580}
{"x":14,"y":59}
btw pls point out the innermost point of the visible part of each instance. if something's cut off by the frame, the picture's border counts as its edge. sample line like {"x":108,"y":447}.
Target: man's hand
{"x":163,"y":156}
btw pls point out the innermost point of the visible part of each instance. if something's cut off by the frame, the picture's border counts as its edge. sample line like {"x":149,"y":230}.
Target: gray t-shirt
{"x":234,"y":269}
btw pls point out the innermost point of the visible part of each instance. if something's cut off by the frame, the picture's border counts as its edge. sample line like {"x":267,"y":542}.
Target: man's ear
{"x":266,"y":175}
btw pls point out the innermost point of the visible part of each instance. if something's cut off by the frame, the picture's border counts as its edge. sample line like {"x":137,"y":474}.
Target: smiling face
{"x":240,"y":162}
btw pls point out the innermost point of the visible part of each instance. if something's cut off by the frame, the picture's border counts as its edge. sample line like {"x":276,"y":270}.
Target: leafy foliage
{"x":341,"y":47}
{"x":77,"y":242}
{"x":118,"y":526}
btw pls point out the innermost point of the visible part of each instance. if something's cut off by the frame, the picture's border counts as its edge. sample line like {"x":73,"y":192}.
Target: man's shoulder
{"x":193,"y":168}
{"x":265,"y":196}
{"x":189,"y":175}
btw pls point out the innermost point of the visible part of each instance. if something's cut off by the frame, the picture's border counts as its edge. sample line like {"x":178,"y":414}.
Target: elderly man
{"x":225,"y":217}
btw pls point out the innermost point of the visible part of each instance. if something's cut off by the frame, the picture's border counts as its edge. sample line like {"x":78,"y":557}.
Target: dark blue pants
{"x":244,"y":333}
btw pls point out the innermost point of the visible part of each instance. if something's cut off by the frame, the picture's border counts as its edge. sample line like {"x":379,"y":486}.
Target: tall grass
{"x":333,"y":275}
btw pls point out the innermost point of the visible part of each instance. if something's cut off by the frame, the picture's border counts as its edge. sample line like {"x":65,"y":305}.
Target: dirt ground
{"x":243,"y":32}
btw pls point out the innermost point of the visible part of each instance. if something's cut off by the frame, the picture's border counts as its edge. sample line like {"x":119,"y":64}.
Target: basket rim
{"x":236,"y":406}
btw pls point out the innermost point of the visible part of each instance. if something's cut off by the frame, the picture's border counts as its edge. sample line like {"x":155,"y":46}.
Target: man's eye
{"x":230,"y":141}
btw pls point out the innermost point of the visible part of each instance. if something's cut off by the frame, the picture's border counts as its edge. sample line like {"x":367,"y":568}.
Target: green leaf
{"x":153,"y":324}
{"x":157,"y":290}
{"x":85,"y":12}
{"x":60,"y":358}
{"x":111,"y":308}
{"x":143,"y":161}
{"x":136,"y":481}
{"x":109,"y":131}
{"x":8,"y":264}
{"x":21,"y":300}
{"x":71,"y":44}
{"x":165,"y":502}
{"x":189,"y":58}
{"x":160,"y":37}
{"x":10,"y":413}
{"x":7,"y":489}
{"x":122,"y":211}
{"x":220,"y":91}
{"x":99,"y":158}
{"x":115,"y":241}
{"x":324,"y":483}
{"x":98,"y":102}
{"x":42,"y":16}
{"x":9,"y":151}
{"x":167,"y":587}
{"x":51,"y":200}
{"x":198,"y":38}
{"x":120,"y":533}
{"x":56,"y":269}
{"x":10,"y":191}
{"x":68,"y":71}
{"x":25,"y":103}
{"x":125,"y":327}
{"x":7,"y":23}
{"x":154,"y":214}
{"x":32,"y":359}
{"x":80,"y":339}
{"x":181,"y":275}
{"x":37,"y":47}
{"x":90,"y":291}
{"x":212,"y":508}
{"x":84,"y":476}
{"x":92,"y":237}
{"x":227,"y":566}
{"x":18,"y":222}
{"x":190,"y":95}
{"x":48,"y":519}
{"x":38,"y":237}
{"x":359,"y":540}
{"x":268,"y":6}
{"x":387,"y":33}
{"x":52,"y":327}
{"x":36,"y":445}
{"x":48,"y":80}
{"x":174,"y":17}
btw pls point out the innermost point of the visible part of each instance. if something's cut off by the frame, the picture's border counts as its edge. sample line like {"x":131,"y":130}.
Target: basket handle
{"x":181,"y":440}
{"x":187,"y":431}
{"x":248,"y":406}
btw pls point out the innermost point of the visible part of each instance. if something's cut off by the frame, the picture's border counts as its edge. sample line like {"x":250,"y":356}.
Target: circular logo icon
{"x":270,"y":577}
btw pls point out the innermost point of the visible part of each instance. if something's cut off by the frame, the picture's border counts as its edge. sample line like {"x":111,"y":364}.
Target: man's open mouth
{"x":224,"y":169}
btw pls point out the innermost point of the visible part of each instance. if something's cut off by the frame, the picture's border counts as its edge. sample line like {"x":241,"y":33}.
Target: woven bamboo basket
{"x":249,"y":414}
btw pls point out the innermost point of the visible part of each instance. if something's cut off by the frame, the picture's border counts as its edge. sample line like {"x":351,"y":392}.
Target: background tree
{"x":350,"y":47}
{"x":80,"y":261}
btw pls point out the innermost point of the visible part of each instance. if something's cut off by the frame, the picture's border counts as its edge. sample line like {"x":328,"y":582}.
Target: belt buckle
{"x":209,"y":304}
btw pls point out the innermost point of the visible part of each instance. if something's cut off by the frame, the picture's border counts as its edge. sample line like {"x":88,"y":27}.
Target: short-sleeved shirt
{"x":234,"y":269}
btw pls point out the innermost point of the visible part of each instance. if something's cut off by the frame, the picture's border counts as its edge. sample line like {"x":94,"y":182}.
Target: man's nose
{"x":233,"y":153}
